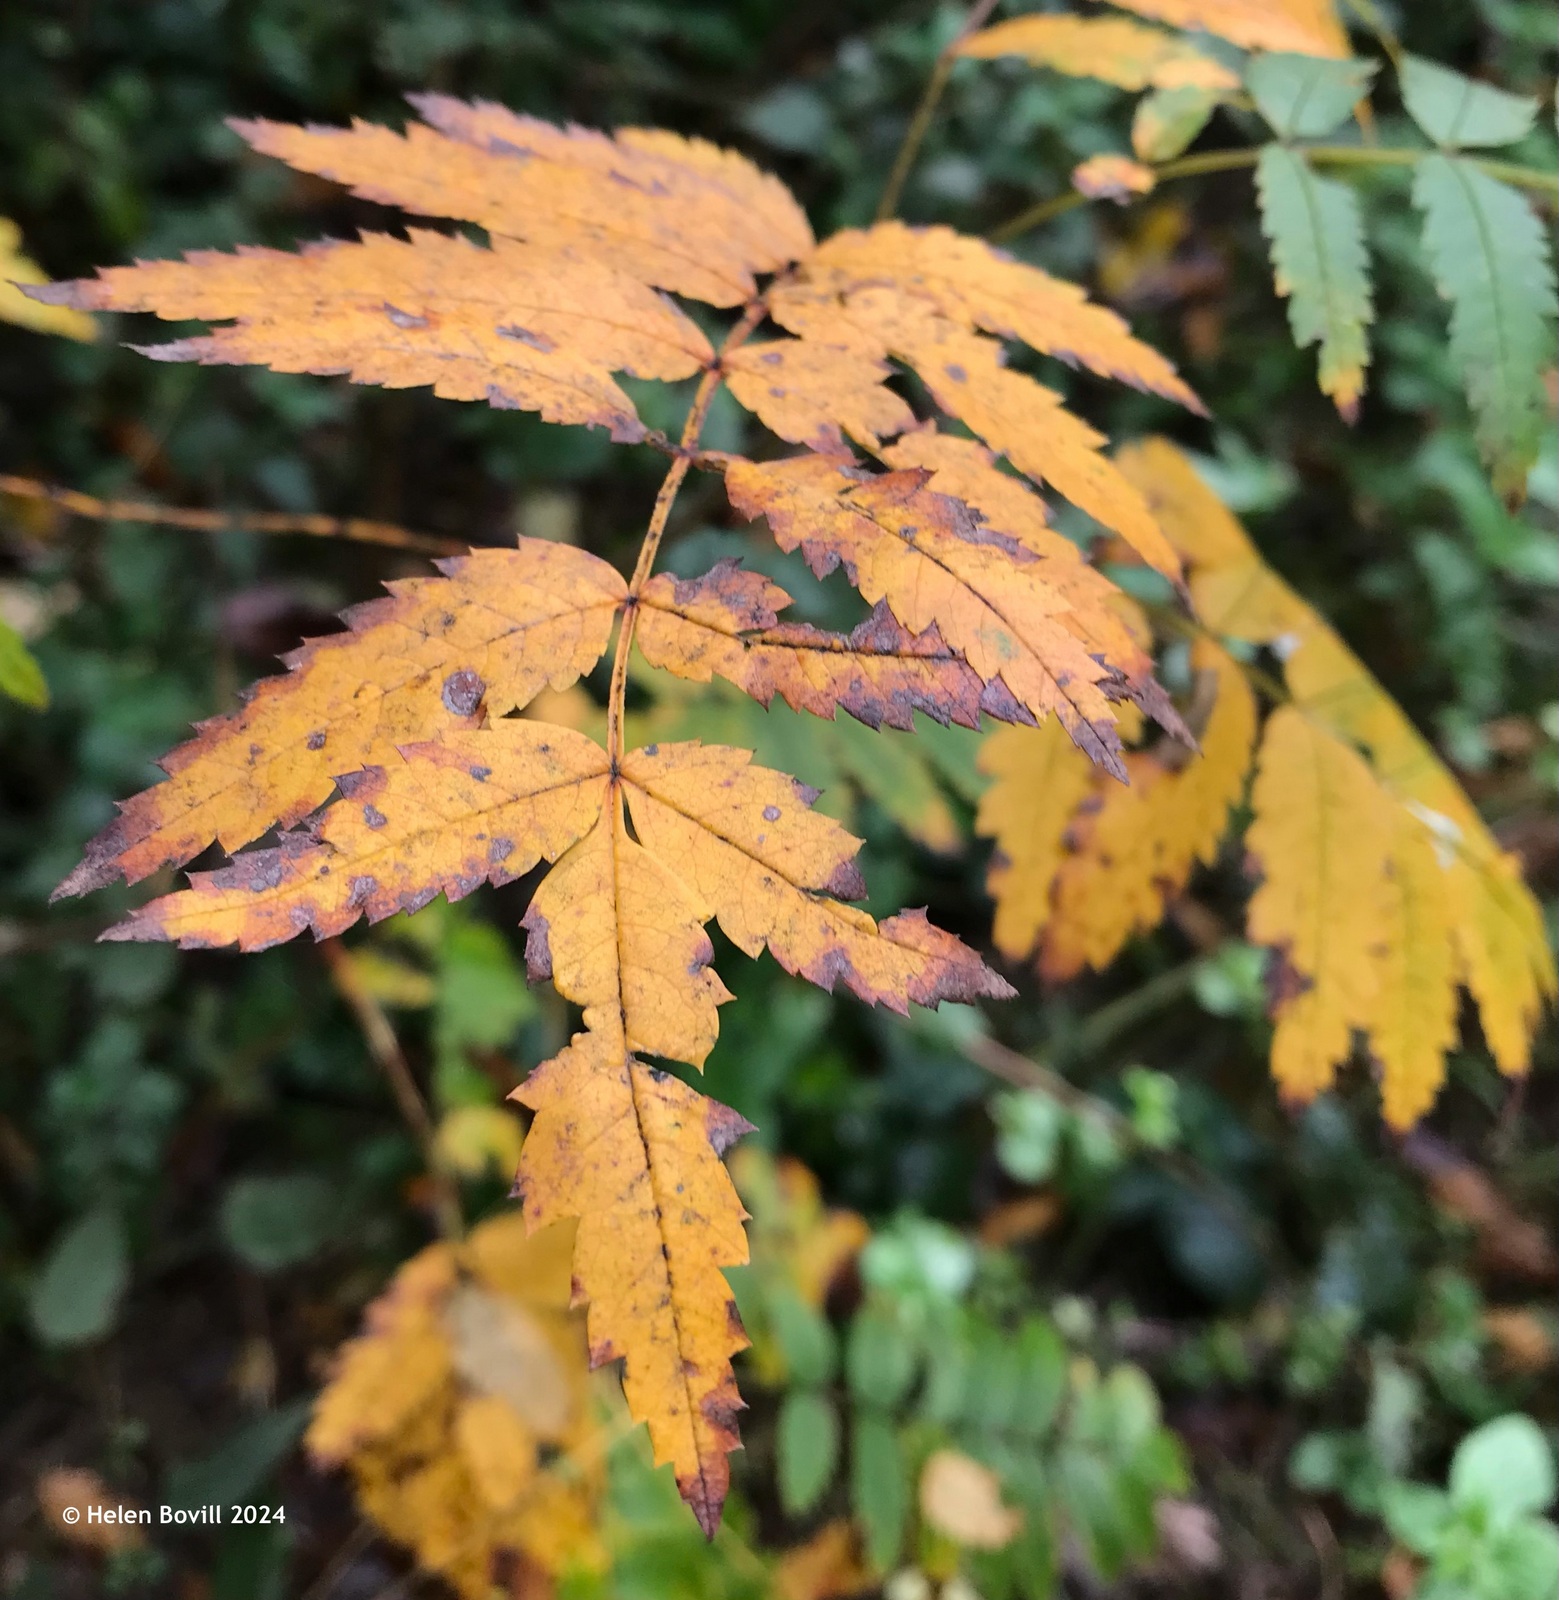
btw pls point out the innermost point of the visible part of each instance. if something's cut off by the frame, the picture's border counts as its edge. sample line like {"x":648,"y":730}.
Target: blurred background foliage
{"x":1208,"y":1347}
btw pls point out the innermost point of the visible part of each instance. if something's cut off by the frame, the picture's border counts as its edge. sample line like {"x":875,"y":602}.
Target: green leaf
{"x":1028,"y":1133}
{"x":242,"y":1462}
{"x":807,"y":1445}
{"x":20,"y":675}
{"x":76,"y":1296}
{"x":1455,"y":111}
{"x":1042,"y":1378}
{"x":1417,"y":1515}
{"x":1506,"y":1467}
{"x":1490,"y":259}
{"x":1305,"y":97}
{"x":1526,"y":1557}
{"x":1320,"y":266}
{"x":1167,"y":120}
{"x":272,"y":1223}
{"x":805,"y":1338}
{"x":879,"y":1359}
{"x":879,"y":1488}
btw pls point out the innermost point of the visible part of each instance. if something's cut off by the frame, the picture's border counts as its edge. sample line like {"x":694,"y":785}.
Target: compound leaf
{"x":1319,"y":265}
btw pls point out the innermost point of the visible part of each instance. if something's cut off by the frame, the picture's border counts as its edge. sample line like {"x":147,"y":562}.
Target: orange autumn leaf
{"x":498,"y":628}
{"x":1306,"y":27}
{"x":391,"y":759}
{"x":936,"y":564}
{"x":519,"y":327}
{"x":1112,"y":177}
{"x":1109,"y":48}
{"x":727,"y":623}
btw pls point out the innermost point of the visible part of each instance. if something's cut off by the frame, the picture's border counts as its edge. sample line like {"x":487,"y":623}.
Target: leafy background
{"x":205,"y":1177}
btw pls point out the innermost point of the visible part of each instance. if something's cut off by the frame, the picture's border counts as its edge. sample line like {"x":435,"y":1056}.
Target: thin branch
{"x":686,"y":453}
{"x":1340,"y":155}
{"x":386,"y":1050}
{"x":358,"y":529}
{"x":920,"y":123}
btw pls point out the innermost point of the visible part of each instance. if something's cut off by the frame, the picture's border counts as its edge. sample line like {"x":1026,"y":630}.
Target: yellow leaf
{"x":479,"y":807}
{"x":1133,"y":847}
{"x":16,"y":268}
{"x":727,"y":623}
{"x":807,"y":392}
{"x":1502,"y":952}
{"x":1039,"y":782}
{"x":1109,"y":48}
{"x":633,"y":1153}
{"x":1321,"y":840}
{"x":1306,"y":27}
{"x":676,"y":213}
{"x":923,"y":553}
{"x":972,"y":285}
{"x":476,"y":1140}
{"x":468,"y":1364}
{"x":519,"y":327}
{"x":962,"y":1500}
{"x":1414,"y":1020}
{"x":430,"y":658}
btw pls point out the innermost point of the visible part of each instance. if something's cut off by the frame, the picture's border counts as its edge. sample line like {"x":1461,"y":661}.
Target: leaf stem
{"x":1334,"y":155}
{"x":357,"y":529}
{"x":687,"y":453}
{"x":931,"y":96}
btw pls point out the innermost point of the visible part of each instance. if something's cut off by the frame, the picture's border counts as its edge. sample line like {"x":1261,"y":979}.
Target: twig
{"x":386,"y":1050}
{"x":920,"y":123}
{"x":357,"y":529}
{"x":1339,"y":155}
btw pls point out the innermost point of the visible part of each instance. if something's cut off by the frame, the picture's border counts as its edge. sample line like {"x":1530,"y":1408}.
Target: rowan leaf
{"x":1497,"y":942}
{"x":21,"y":678}
{"x":1320,"y":841}
{"x":633,"y":1153}
{"x":1413,"y":1023}
{"x":936,"y":563}
{"x":1309,"y":27}
{"x":1306,"y":96}
{"x":973,"y":286}
{"x":727,"y":623}
{"x":1459,"y":112}
{"x":1319,"y":265}
{"x":462,"y":1413}
{"x":500,"y":626}
{"x":1490,"y":258}
{"x":519,"y":327}
{"x":675,"y":213}
{"x":1108,"y":48}
{"x":448,"y":815}
{"x":812,"y":393}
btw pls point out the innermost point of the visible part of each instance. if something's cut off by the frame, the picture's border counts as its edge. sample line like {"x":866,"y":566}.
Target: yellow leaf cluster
{"x":393,"y":760}
{"x":1380,"y":891}
{"x":463,"y":1412}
